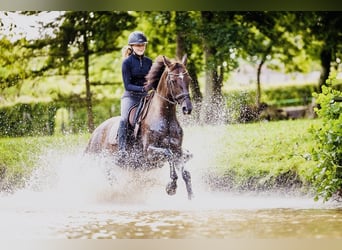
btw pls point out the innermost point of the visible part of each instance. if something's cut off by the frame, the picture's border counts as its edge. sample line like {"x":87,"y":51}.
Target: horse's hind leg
{"x":172,"y":185}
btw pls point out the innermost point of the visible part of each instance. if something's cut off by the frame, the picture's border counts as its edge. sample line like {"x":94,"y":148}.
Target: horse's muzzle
{"x":186,"y":106}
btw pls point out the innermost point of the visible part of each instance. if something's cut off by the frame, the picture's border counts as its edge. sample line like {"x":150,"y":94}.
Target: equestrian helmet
{"x":137,"y":37}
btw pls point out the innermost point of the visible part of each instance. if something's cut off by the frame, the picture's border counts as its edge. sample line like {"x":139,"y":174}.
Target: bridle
{"x":175,"y":98}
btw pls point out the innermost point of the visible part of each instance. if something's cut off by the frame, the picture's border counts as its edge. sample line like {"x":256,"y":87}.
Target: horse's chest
{"x":167,"y":132}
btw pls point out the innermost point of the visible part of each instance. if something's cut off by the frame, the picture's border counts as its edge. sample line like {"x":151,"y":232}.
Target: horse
{"x":157,"y":137}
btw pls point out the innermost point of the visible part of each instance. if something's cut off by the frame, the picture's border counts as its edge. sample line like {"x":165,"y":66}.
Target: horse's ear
{"x":184,"y":59}
{"x":167,"y":62}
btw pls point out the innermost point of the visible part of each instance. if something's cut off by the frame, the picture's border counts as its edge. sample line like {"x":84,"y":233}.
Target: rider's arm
{"x":127,"y":78}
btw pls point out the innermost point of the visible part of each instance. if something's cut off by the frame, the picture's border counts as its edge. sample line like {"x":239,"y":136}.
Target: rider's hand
{"x":148,"y":87}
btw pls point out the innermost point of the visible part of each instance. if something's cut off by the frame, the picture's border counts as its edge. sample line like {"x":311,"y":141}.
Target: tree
{"x":221,"y":34}
{"x":79,"y":34}
{"x":187,"y":38}
{"x":268,"y":38}
{"x":323,"y":38}
{"x":14,"y":63}
{"x":13,"y":58}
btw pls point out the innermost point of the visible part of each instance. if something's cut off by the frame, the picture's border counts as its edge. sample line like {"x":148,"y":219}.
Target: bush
{"x":289,"y":95}
{"x":27,"y":119}
{"x":43,"y":119}
{"x":327,"y":176}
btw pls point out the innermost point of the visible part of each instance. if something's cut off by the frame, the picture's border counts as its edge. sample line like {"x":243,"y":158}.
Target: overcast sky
{"x":25,"y":26}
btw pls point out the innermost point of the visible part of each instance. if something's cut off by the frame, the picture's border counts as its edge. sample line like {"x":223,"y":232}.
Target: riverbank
{"x":263,"y":156}
{"x":257,"y":156}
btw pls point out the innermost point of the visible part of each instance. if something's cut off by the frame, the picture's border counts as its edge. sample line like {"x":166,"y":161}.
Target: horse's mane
{"x":156,"y":71}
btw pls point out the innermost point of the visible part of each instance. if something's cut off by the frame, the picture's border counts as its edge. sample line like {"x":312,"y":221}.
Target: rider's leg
{"x":122,"y":135}
{"x":127,"y":101}
{"x":122,"y":130}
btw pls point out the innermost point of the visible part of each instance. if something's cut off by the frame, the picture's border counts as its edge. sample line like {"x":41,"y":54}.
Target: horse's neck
{"x":163,"y":107}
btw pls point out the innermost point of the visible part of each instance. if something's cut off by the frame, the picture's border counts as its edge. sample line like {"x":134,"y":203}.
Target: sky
{"x":25,"y":26}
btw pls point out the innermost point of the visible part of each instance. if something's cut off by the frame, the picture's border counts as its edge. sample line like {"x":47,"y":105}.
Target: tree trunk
{"x":87,"y":83}
{"x":213,"y":111}
{"x":258,"y":90}
{"x":214,"y":105}
{"x":185,"y":47}
{"x":194,"y":86}
{"x":326,"y":57}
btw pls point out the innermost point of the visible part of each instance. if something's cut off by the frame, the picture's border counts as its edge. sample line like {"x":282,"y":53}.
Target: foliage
{"x":327,"y":177}
{"x":321,"y":33}
{"x":75,"y":29}
{"x":290,"y":95}
{"x":27,"y":119}
{"x":14,"y":63}
{"x":161,"y":40}
{"x":280,"y":96}
{"x":103,"y":110}
{"x":52,"y":118}
{"x":80,"y":34}
{"x":236,"y":101}
{"x":268,"y":38}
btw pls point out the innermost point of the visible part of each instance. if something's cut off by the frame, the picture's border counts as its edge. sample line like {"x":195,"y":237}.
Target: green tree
{"x":80,"y":34}
{"x":14,"y":64}
{"x":323,"y":38}
{"x":187,"y":39}
{"x":221,"y":33}
{"x":268,"y":39}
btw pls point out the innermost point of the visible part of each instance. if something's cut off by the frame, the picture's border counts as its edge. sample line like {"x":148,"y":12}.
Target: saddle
{"x":138,"y":112}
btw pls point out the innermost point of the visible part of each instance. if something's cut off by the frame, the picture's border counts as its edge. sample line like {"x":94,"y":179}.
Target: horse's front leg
{"x":172,"y":185}
{"x":178,"y":163}
{"x":187,"y":179}
{"x":186,"y":156}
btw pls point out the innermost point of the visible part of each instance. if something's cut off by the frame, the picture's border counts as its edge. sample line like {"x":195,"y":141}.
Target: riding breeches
{"x":127,"y":102}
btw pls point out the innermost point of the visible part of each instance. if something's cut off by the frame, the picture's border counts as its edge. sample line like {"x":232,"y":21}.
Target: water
{"x":69,"y":196}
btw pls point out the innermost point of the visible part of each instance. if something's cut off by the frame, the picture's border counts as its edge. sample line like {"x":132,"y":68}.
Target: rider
{"x":134,"y":69}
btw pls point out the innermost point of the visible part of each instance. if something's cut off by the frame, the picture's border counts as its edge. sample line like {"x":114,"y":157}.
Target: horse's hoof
{"x":191,"y":196}
{"x":171,"y":188}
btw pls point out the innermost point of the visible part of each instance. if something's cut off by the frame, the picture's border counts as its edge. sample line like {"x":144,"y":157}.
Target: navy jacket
{"x":134,"y":70}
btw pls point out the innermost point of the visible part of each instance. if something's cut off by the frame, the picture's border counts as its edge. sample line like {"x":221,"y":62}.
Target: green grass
{"x":263,"y":152}
{"x":255,"y":154}
{"x":19,"y":156}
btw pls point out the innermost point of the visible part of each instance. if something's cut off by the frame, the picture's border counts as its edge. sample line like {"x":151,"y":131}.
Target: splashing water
{"x":72,"y":195}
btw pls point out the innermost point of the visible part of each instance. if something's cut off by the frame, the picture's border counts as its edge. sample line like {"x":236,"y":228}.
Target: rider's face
{"x":139,"y":49}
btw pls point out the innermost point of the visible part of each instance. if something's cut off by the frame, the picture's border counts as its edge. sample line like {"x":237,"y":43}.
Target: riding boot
{"x":122,"y":136}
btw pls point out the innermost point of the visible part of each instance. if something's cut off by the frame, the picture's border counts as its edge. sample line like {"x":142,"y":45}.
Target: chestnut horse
{"x":158,"y":136}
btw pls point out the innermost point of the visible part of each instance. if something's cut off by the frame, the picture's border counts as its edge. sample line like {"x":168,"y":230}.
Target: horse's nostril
{"x":186,"y":111}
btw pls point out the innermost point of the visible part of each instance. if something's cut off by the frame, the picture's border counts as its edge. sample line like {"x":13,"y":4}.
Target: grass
{"x":250,"y":156}
{"x":19,"y":156}
{"x":260,"y":155}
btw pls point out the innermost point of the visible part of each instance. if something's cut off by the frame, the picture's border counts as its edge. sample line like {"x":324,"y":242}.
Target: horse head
{"x":178,"y":81}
